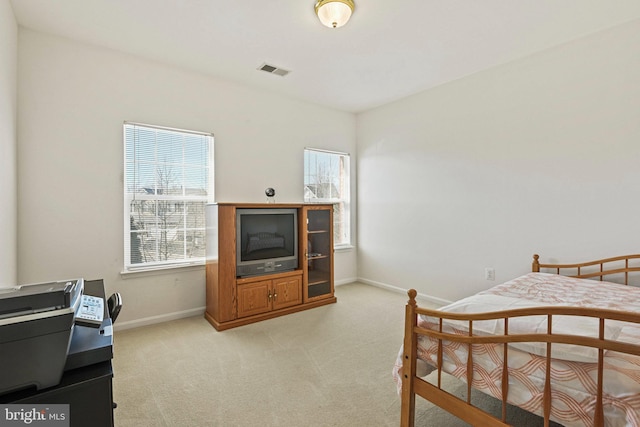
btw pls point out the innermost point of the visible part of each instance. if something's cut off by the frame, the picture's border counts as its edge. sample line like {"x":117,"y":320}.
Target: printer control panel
{"x":91,"y":311}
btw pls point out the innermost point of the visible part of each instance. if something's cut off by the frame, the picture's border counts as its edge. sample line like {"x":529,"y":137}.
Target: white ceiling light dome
{"x":334,"y":13}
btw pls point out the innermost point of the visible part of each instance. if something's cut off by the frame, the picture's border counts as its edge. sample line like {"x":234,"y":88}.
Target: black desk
{"x":86,"y":384}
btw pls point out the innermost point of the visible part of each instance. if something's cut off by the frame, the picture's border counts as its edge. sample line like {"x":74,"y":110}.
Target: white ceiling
{"x":390,"y":49}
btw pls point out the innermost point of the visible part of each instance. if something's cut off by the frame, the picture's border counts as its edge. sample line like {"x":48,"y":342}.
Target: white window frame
{"x":131,"y":194}
{"x":340,"y":178}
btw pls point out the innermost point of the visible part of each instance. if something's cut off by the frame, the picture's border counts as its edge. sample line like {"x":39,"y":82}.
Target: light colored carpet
{"x":328,"y":366}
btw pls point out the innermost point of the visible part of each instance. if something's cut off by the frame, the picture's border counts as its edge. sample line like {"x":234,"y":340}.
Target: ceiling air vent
{"x":274,"y":70}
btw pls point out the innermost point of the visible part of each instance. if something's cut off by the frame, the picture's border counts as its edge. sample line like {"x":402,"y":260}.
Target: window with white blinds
{"x":168,"y":181}
{"x":327,"y":180}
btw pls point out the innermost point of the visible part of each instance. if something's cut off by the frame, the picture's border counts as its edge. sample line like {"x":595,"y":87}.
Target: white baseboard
{"x":146,"y":321}
{"x":439,"y":302}
{"x":345,"y":281}
{"x":120,"y":326}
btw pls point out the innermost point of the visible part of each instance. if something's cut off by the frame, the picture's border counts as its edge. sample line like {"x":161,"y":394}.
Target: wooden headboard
{"x":599,"y":268}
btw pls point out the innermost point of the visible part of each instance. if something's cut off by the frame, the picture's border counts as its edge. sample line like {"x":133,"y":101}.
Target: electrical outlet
{"x":489,"y":273}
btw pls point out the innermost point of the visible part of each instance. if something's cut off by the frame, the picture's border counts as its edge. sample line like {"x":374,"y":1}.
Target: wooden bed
{"x":614,"y":347}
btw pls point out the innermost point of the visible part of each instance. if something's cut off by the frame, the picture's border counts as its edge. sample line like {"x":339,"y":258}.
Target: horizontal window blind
{"x":168,"y":181}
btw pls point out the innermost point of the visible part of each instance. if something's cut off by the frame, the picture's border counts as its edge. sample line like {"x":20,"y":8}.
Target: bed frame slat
{"x":599,"y":413}
{"x":505,"y":372}
{"x":440,"y":357}
{"x":469,"y":363}
{"x":547,"y":380}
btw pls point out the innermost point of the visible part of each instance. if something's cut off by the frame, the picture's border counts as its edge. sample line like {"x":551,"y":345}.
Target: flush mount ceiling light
{"x":334,"y":13}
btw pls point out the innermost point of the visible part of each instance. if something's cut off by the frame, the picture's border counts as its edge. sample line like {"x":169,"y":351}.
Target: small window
{"x":168,"y":181}
{"x":326,"y":180}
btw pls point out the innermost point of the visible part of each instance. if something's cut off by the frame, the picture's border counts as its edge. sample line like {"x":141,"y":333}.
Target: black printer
{"x":36,"y":324}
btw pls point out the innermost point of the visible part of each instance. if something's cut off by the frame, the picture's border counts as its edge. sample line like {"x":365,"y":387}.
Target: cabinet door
{"x":287,"y":292}
{"x":318,"y":266}
{"x":253,"y":298}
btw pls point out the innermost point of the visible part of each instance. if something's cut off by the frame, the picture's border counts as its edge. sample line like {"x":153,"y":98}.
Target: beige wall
{"x":538,"y":155}
{"x":8,"y":141}
{"x":73,"y":99}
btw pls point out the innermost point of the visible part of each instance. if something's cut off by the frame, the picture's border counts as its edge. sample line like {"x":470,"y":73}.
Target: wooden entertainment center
{"x":235,"y":301}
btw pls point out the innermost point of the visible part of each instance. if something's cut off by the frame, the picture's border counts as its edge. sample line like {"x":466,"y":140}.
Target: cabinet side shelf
{"x":318,"y":282}
{"x":318,"y":277}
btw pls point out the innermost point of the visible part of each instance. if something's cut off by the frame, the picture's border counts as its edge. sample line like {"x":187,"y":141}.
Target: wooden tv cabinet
{"x":235,"y":301}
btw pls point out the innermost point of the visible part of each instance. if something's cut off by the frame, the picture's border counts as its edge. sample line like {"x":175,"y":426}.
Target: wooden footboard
{"x":462,"y":408}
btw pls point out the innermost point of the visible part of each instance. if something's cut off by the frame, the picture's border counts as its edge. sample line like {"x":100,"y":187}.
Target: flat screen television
{"x":266,"y":241}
